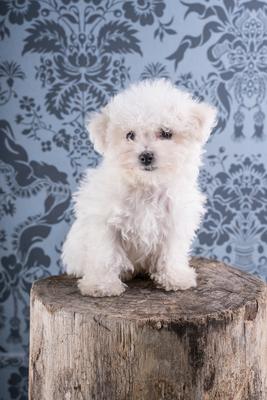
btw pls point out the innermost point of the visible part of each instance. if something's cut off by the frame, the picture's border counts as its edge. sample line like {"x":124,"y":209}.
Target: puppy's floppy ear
{"x":204,"y":120}
{"x":97,"y":127}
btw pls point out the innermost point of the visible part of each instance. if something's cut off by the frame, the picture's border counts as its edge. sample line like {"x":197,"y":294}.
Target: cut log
{"x":206,"y":343}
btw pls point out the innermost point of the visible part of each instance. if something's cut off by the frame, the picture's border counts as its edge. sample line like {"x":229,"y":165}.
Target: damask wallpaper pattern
{"x":60,"y":60}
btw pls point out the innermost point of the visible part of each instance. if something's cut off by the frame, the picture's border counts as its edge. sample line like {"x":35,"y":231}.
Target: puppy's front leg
{"x":93,"y":252}
{"x":101,"y":286}
{"x":104,"y":280}
{"x":172,"y":271}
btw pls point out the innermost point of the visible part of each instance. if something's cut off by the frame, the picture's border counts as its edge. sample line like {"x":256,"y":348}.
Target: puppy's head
{"x":152,"y":130}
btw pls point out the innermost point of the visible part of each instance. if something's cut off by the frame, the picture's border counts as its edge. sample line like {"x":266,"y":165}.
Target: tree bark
{"x":206,"y":343}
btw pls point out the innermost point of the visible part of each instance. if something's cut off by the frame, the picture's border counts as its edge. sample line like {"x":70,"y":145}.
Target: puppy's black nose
{"x":146,"y":158}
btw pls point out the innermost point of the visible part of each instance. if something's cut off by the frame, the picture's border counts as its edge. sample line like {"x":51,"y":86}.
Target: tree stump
{"x":206,"y":343}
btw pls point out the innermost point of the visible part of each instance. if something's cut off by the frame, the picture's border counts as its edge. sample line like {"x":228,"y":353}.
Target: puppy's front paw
{"x":178,"y":280}
{"x":101,"y":289}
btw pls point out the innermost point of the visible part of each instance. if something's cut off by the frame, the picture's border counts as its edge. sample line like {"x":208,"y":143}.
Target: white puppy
{"x":139,"y":210}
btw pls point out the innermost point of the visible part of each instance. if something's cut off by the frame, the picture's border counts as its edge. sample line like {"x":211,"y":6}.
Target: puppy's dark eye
{"x":130,"y":135}
{"x":165,"y":134}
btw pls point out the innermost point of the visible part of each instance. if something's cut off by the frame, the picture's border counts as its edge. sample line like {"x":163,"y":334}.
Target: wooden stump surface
{"x":220,"y":289}
{"x":210,"y":329}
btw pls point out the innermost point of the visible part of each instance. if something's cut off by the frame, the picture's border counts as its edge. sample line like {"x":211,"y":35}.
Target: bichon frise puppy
{"x":139,"y":210}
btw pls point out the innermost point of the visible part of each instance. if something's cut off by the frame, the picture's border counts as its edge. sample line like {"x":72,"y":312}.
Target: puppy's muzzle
{"x":146,"y":158}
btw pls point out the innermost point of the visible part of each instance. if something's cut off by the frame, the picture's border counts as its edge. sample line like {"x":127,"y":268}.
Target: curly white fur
{"x":130,"y":219}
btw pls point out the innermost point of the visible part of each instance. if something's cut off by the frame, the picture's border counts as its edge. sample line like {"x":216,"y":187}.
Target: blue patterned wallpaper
{"x":59,"y":60}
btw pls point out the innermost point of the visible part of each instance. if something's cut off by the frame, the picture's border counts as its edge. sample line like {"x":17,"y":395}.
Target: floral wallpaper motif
{"x":62,"y":59}
{"x":236,"y":211}
{"x":236,"y":34}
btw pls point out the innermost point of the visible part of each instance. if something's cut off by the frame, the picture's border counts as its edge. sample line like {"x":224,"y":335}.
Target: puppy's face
{"x":152,"y":131}
{"x":146,"y":149}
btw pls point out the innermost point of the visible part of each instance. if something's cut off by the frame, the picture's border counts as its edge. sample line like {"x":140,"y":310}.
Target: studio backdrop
{"x":60,"y":60}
